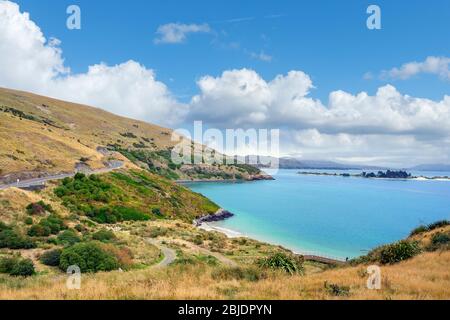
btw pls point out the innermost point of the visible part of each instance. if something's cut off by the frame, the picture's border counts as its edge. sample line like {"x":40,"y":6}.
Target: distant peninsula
{"x":388,"y":174}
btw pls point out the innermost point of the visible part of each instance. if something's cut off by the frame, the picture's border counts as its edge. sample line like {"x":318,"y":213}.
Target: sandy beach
{"x":208,"y":226}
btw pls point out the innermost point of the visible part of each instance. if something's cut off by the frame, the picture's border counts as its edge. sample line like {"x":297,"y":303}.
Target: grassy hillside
{"x":208,"y":264}
{"x":116,"y":226}
{"x":40,"y":135}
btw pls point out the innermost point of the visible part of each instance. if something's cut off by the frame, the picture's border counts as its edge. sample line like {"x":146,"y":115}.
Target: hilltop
{"x":41,"y":136}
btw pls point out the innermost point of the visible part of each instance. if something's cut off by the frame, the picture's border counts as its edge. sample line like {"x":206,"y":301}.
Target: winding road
{"x":169,"y":254}
{"x":113,"y":165}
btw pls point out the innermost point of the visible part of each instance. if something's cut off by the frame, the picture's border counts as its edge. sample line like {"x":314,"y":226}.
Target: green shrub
{"x":7,"y":264}
{"x":418,"y":230}
{"x":198,"y":240}
{"x":439,"y":241}
{"x":440,"y":238}
{"x":51,"y":257}
{"x":28,"y":221}
{"x":336,"y":290}
{"x":39,"y":230}
{"x":89,"y":257}
{"x":104,"y":235}
{"x":430,"y":227}
{"x":38,"y":208}
{"x":399,"y":251}
{"x":68,"y":238}
{"x":238,"y":273}
{"x":80,"y":228}
{"x":17,"y":266}
{"x":23,"y":268}
{"x":438,"y":224}
{"x":281,"y":261}
{"x":54,"y":223}
{"x":157,"y":212}
{"x":130,"y":214}
{"x":13,"y":240}
{"x":157,"y":232}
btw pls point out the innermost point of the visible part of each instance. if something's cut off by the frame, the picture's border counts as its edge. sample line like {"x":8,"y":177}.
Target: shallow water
{"x":332,"y":216}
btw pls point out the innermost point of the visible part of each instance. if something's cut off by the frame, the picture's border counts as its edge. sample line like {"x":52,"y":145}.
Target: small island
{"x":389,"y":174}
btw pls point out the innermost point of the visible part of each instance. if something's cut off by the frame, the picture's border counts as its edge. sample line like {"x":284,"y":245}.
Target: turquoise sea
{"x":332,"y":216}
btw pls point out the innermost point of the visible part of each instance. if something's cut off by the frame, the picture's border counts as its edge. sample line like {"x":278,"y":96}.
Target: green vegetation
{"x":28,"y":221}
{"x":17,"y":266}
{"x":95,"y":198}
{"x":239,"y":273}
{"x":38,"y":208}
{"x":439,"y":241}
{"x":18,"y":113}
{"x":53,"y":224}
{"x":51,"y":257}
{"x":104,"y":235}
{"x":399,"y":251}
{"x":158,"y":162}
{"x":89,"y":256}
{"x":68,"y":238}
{"x":12,"y":239}
{"x":281,"y":261}
{"x":247,"y":168}
{"x":430,"y":227}
{"x":336,"y":290}
{"x":391,"y":253}
{"x":131,"y":196}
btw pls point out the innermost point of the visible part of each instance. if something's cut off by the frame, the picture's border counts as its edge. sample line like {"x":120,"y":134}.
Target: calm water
{"x":334,"y":216}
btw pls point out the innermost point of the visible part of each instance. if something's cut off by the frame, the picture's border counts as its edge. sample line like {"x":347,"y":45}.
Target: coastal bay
{"x":328,"y":215}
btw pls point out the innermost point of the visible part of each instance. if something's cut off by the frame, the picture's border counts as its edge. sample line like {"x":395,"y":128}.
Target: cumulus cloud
{"x":244,"y":98}
{"x":432,"y":65}
{"x":177,"y":32}
{"x":31,"y":62}
{"x":385,"y":128}
{"x":27,"y":60}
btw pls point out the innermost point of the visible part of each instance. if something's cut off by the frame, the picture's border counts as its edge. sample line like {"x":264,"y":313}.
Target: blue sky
{"x":336,"y":90}
{"x":326,"y":39}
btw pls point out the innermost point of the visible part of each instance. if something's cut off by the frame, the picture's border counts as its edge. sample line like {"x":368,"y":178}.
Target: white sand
{"x":229,"y":233}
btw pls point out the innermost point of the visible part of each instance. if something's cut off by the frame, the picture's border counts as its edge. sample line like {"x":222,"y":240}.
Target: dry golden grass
{"x":77,"y":130}
{"x":424,"y":277}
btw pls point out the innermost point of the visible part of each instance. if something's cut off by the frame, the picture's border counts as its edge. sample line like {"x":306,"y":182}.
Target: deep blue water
{"x":334,"y":216}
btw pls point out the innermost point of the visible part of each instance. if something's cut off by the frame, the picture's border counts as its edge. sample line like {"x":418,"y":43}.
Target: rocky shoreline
{"x":259,"y":177}
{"x":220,"y":215}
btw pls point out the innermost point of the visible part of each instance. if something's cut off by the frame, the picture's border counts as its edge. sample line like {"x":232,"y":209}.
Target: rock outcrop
{"x":220,"y":215}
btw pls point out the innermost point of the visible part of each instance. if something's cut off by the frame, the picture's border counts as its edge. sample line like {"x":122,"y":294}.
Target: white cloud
{"x":243,"y":98}
{"x":387,"y":127}
{"x":30,"y":62}
{"x":128,"y":89}
{"x":27,"y":59}
{"x":177,"y":32}
{"x":432,"y":65}
{"x":262,"y":56}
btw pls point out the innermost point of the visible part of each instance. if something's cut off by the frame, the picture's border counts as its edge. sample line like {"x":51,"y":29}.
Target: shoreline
{"x":308,"y":255}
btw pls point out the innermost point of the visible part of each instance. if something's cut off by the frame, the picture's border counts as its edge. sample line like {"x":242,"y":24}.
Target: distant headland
{"x":388,"y":174}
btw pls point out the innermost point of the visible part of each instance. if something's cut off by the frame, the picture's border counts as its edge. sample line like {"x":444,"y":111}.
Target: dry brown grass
{"x":424,"y":277}
{"x":27,"y":145}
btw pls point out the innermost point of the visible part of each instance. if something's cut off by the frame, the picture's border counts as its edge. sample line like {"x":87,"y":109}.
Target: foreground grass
{"x":423,"y":277}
